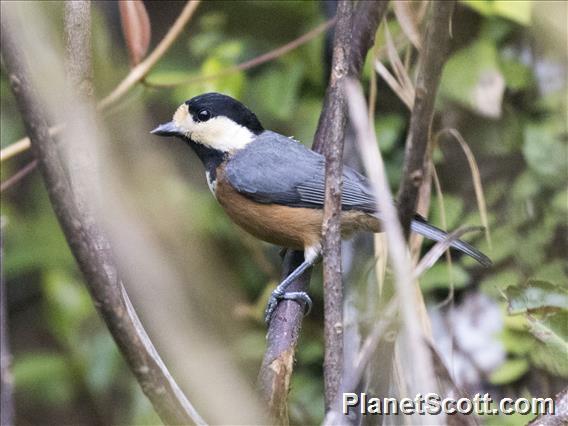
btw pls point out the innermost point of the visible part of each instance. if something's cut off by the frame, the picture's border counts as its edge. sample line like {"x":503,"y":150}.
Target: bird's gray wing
{"x":274,"y":169}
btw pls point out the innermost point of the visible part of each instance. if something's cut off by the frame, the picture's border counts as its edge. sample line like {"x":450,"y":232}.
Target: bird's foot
{"x":277,"y":295}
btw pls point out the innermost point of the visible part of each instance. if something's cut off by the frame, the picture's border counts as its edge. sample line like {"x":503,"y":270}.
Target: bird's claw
{"x":298,"y":296}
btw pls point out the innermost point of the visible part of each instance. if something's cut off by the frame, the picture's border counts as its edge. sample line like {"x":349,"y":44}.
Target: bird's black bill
{"x":166,"y":129}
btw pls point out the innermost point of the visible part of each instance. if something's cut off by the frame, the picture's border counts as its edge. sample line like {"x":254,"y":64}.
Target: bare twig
{"x":282,"y":338}
{"x":274,"y":376}
{"x":140,"y":71}
{"x":89,"y":246}
{"x":254,"y":62}
{"x":135,"y":75}
{"x":450,"y":297}
{"x":369,"y":347}
{"x":18,"y":176}
{"x":421,"y":363}
{"x":353,"y":379}
{"x":475,"y":175}
{"x":432,"y":60}
{"x":560,"y":415}
{"x":440,"y":247}
{"x":24,"y":144}
{"x":330,"y":138}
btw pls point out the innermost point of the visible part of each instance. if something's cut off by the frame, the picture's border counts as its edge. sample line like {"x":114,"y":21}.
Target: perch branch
{"x":283,"y":333}
{"x":560,"y":415}
{"x":90,"y":247}
{"x":432,"y":60}
{"x":329,"y":139}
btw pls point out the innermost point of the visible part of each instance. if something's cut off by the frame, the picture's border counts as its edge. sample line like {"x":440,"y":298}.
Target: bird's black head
{"x":211,"y":105}
{"x":214,"y":120}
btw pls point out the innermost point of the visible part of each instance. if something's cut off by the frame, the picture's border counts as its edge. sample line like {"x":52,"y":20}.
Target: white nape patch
{"x":211,"y":183}
{"x":220,"y":133}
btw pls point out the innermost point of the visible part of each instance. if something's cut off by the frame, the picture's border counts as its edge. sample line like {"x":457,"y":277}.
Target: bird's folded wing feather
{"x":274,"y":169}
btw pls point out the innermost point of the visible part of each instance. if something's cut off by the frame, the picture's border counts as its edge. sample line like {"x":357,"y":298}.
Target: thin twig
{"x":18,"y":176}
{"x":440,"y":195}
{"x":89,"y":246}
{"x":559,"y":416}
{"x":352,"y":380}
{"x":24,"y":144}
{"x":141,"y":70}
{"x":254,"y":62}
{"x":440,"y":247}
{"x":432,"y":60}
{"x":421,"y":367}
{"x":135,"y":75}
{"x":476,"y":177}
{"x":283,"y":332}
{"x":330,"y":138}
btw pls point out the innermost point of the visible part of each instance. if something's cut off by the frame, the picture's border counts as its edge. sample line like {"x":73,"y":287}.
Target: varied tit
{"x":273,"y":186}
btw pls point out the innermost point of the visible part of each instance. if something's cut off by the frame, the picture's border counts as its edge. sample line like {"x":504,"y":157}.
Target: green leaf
{"x":493,"y":284}
{"x":388,"y":128}
{"x":552,"y":332}
{"x":545,"y":151}
{"x":535,"y":295}
{"x":69,"y":305}
{"x":517,"y":75}
{"x":251,"y":346}
{"x":102,"y":362}
{"x":34,"y":243}
{"x":165,"y":76}
{"x":473,"y":79}
{"x":518,"y":11}
{"x":277,"y":89}
{"x":553,"y":271}
{"x":438,"y":277}
{"x":514,"y":419}
{"x":517,"y":342}
{"x":510,"y":371}
{"x":310,"y":352}
{"x":453,"y":207}
{"x":43,"y":378}
{"x":231,"y":84}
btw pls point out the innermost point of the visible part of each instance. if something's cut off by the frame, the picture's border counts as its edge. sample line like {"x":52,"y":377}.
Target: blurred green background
{"x":503,"y":88}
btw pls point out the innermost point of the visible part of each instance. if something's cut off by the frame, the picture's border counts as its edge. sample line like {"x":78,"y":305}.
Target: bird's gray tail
{"x":420,"y":226}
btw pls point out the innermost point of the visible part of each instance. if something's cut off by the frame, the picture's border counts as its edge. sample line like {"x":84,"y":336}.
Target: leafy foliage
{"x":497,"y":98}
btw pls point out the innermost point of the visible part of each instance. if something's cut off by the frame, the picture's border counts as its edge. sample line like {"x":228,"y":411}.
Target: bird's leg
{"x":279,"y":292}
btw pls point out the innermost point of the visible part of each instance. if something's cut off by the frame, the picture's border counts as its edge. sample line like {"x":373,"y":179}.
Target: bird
{"x":273,"y":187}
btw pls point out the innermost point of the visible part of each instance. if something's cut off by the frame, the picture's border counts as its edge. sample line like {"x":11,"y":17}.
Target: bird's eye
{"x":203,"y":115}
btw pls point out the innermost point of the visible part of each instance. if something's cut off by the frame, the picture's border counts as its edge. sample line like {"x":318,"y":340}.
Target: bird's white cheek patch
{"x":222,"y":134}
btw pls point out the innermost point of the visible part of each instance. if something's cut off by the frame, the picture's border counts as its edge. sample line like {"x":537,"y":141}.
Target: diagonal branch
{"x":432,"y":60}
{"x":88,"y":244}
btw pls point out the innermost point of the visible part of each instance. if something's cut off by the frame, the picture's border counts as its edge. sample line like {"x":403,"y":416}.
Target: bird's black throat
{"x":211,"y":158}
